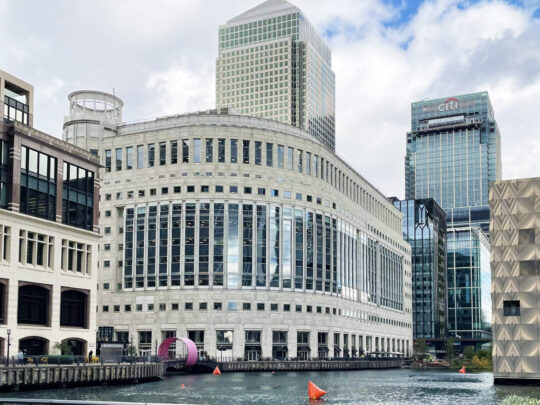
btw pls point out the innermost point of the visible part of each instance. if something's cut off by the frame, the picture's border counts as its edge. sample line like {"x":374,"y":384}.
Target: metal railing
{"x":58,"y":360}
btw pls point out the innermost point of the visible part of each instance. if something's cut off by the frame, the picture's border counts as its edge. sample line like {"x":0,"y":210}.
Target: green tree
{"x":63,"y":348}
{"x":420,"y":346}
{"x":468,"y":353}
{"x":450,"y":349}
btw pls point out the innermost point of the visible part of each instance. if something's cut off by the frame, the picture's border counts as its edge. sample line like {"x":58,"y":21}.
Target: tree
{"x":450,"y":349}
{"x":420,"y":346}
{"x":468,"y":353}
{"x":63,"y":347}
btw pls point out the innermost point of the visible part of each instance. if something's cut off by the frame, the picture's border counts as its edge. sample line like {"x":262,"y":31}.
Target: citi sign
{"x":450,"y":104}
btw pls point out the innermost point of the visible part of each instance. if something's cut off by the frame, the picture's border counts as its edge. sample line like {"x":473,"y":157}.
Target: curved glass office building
{"x":246,"y":235}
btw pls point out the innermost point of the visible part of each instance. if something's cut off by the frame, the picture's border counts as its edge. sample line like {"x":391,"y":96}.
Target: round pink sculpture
{"x":192,"y":354}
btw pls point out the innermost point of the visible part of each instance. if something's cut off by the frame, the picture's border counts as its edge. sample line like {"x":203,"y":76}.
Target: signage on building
{"x":448,"y":105}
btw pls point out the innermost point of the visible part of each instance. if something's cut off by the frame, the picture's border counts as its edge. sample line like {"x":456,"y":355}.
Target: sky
{"x":158,"y":56}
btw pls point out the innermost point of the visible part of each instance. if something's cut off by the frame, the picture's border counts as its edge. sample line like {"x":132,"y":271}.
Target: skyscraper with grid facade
{"x":453,"y":154}
{"x":273,"y":64}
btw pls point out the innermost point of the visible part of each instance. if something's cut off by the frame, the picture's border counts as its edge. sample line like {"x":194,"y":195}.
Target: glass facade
{"x":279,"y":43}
{"x":77,"y":196}
{"x":424,"y":227}
{"x":453,"y":154}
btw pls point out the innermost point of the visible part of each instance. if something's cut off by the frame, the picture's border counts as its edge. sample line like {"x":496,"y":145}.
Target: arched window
{"x":73,"y":309}
{"x":33,"y":305}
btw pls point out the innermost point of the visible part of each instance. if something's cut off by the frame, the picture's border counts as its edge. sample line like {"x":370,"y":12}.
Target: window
{"x":217,"y":306}
{"x":107,"y":213}
{"x":105,"y":286}
{"x":141,"y":193}
{"x":164,"y":190}
{"x":174,"y":306}
{"x":246,"y":306}
{"x":308,"y":162}
{"x":298,"y":308}
{"x":129,"y":158}
{"x":119,"y":196}
{"x":108,"y":160}
{"x":197,"y":150}
{"x":205,"y":189}
{"x":107,"y":263}
{"x":274,"y":192}
{"x":511,"y":308}
{"x":151,"y":154}
{"x":286,"y":194}
{"x":247,"y":190}
{"x":188,"y":306}
{"x":233,"y":189}
{"x":78,"y":197}
{"x":174,"y":152}
{"x":140,"y":156}
{"x":162,"y":153}
{"x":299,"y":161}
{"x":209,"y":150}
{"x":287,"y":307}
{"x":269,"y":154}
{"x":118,"y":159}
{"x":153,"y":191}
{"x":116,"y":308}
{"x":38,"y":184}
{"x":299,"y":196}
{"x":258,"y":152}
{"x":108,"y":197}
{"x":219,"y":189}
{"x":232,"y":306}
{"x":190,"y":189}
{"x":273,"y":307}
{"x":177,"y":189}
{"x":185,"y":150}
{"x":138,"y":307}
{"x":105,"y":308}
{"x":260,"y":306}
{"x":203,"y":306}
{"x":261,"y":191}
{"x":221,"y":150}
{"x":234,"y":150}
{"x":127,"y":308}
{"x":245,"y":151}
{"x":309,"y":308}
{"x":290,"y":158}
{"x":162,"y":307}
{"x":280,"y":156}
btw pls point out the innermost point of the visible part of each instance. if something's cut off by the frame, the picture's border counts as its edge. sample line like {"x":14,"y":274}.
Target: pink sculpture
{"x":192,"y":354}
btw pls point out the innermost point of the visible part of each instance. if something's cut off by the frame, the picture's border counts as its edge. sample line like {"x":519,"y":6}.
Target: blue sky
{"x":386,"y":54}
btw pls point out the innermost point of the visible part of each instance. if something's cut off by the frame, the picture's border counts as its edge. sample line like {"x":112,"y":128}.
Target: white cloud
{"x":160,"y":59}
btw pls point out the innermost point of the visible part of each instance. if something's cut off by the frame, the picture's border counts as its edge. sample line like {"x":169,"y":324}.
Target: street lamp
{"x":8,"y":345}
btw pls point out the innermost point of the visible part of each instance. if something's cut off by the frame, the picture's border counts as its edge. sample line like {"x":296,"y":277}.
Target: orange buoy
{"x":216,"y":371}
{"x":462,"y":370}
{"x":181,"y":385}
{"x":315,"y":392}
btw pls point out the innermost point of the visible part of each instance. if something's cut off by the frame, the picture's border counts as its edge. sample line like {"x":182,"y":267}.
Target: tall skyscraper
{"x":273,"y":64}
{"x":424,"y":227}
{"x":453,"y":153}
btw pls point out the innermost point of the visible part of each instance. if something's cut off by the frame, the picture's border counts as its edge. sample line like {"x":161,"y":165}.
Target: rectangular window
{"x":258,"y":153}
{"x":108,"y":162}
{"x":129,"y":158}
{"x":209,"y":150}
{"x":78,"y":197}
{"x":299,"y":161}
{"x":280,"y":156}
{"x":315,"y":165}
{"x":290,"y":158}
{"x":221,"y":150}
{"x":269,"y":154}
{"x":308,"y":162}
{"x":118,"y":159}
{"x":511,"y":308}
{"x":174,"y":152}
{"x":140,"y":156}
{"x":151,"y":154}
{"x":162,"y":153}
{"x":234,"y":150}
{"x":185,"y":150}
{"x":197,"y":150}
{"x":245,"y":151}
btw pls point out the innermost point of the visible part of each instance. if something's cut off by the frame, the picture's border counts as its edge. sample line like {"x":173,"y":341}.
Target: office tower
{"x":245,"y":235}
{"x":424,"y":227}
{"x":515,"y":264}
{"x":453,"y":153}
{"x":273,"y":64}
{"x":48,"y":233}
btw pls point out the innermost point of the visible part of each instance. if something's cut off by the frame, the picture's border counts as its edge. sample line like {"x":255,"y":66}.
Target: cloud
{"x":160,"y":59}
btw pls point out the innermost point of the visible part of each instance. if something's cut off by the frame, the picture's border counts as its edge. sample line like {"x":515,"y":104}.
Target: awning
{"x":253,"y":347}
{"x":323,"y":349}
{"x":304,"y":348}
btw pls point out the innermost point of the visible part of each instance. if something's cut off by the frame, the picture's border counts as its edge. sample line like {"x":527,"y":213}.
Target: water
{"x":344,"y":387}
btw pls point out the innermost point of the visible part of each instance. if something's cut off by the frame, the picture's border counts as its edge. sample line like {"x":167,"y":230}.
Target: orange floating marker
{"x":181,"y":385}
{"x":315,"y":392}
{"x":216,"y":371}
{"x":462,"y":370}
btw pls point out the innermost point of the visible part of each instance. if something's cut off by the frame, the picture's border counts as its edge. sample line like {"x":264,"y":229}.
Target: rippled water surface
{"x":344,"y":387}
